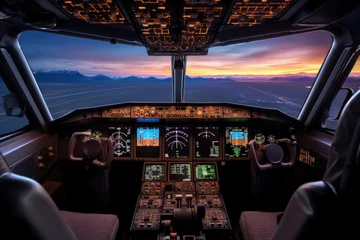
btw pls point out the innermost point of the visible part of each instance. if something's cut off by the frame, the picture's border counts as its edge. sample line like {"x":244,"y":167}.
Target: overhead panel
{"x":247,"y":13}
{"x":169,"y":26}
{"x":94,"y":11}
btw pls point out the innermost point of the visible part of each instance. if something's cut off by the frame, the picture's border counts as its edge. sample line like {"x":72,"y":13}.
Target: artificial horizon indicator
{"x":147,"y":142}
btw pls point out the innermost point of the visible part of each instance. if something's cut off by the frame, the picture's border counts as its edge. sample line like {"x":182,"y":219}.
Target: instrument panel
{"x":166,"y":132}
{"x":194,"y":142}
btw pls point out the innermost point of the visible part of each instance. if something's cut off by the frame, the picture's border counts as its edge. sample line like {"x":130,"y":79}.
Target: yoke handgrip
{"x":72,"y":144}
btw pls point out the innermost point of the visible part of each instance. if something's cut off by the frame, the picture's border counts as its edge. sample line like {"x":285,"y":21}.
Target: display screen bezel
{"x":206,"y":180}
{"x":224,"y":142}
{"x":154,"y":163}
{"x":191,"y":171}
{"x":159,"y":158}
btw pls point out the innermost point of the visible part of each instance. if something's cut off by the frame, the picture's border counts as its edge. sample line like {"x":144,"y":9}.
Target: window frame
{"x":13,"y":87}
{"x":350,"y":64}
{"x":301,"y":118}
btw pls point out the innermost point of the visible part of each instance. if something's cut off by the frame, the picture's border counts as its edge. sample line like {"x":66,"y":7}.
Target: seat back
{"x":313,"y":212}
{"x":27,"y":211}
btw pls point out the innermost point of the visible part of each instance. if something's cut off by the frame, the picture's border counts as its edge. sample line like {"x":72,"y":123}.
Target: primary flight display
{"x":147,"y":142}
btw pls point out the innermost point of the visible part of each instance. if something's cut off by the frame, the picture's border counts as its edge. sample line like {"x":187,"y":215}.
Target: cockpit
{"x":179,"y":119}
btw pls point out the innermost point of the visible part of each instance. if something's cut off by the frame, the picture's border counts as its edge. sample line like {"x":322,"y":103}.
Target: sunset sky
{"x":287,"y":55}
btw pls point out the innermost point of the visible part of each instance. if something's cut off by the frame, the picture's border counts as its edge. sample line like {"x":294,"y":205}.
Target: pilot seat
{"x":28,"y":212}
{"x":319,"y":210}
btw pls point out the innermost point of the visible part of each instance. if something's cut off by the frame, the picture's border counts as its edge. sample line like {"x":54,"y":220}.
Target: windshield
{"x":77,"y":73}
{"x":275,"y":73}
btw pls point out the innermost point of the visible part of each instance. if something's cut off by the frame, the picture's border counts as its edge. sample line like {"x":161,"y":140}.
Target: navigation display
{"x":180,"y":172}
{"x":207,"y":142}
{"x":147,"y":142}
{"x":154,"y":172}
{"x":176,"y":142}
{"x":205,"y":171}
{"x":122,"y":140}
{"x":236,"y":139}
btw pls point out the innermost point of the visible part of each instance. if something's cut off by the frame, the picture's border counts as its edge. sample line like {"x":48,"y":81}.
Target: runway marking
{"x":95,"y":96}
{"x":104,"y":90}
{"x":78,"y":99}
{"x":244,"y":96}
{"x":280,"y":98}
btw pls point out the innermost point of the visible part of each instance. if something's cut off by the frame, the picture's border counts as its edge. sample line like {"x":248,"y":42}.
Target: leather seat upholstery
{"x":28,"y":212}
{"x":314,"y":210}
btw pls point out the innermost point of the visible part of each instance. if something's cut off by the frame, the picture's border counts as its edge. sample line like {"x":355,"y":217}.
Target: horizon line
{"x":356,"y":74}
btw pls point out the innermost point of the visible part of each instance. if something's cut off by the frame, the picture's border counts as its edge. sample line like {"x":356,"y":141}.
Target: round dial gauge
{"x":259,"y":138}
{"x":96,"y":135}
{"x":271,"y":138}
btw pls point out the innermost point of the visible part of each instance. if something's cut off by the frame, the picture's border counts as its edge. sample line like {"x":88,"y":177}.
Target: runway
{"x":65,"y":97}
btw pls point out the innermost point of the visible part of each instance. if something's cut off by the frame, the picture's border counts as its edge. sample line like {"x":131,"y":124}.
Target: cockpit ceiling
{"x":168,"y":27}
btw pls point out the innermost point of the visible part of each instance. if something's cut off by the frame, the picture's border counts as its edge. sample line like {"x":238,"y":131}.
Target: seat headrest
{"x":344,"y":134}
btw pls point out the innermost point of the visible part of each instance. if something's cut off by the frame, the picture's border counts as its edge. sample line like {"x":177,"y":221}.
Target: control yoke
{"x":96,"y":152}
{"x":272,"y":155}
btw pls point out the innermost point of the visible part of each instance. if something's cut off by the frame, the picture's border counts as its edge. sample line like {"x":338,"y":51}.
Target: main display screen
{"x":180,"y":172}
{"x":236,"y":139}
{"x":176,"y":142}
{"x":154,"y":172}
{"x":122,"y":139}
{"x":205,"y":171}
{"x":147,"y":142}
{"x":207,"y":142}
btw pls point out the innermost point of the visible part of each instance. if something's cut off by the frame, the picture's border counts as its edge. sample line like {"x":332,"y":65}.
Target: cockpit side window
{"x":352,"y":82}
{"x":12,"y":119}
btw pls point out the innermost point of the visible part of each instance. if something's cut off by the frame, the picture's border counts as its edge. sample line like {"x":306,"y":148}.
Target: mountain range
{"x":63,"y":76}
